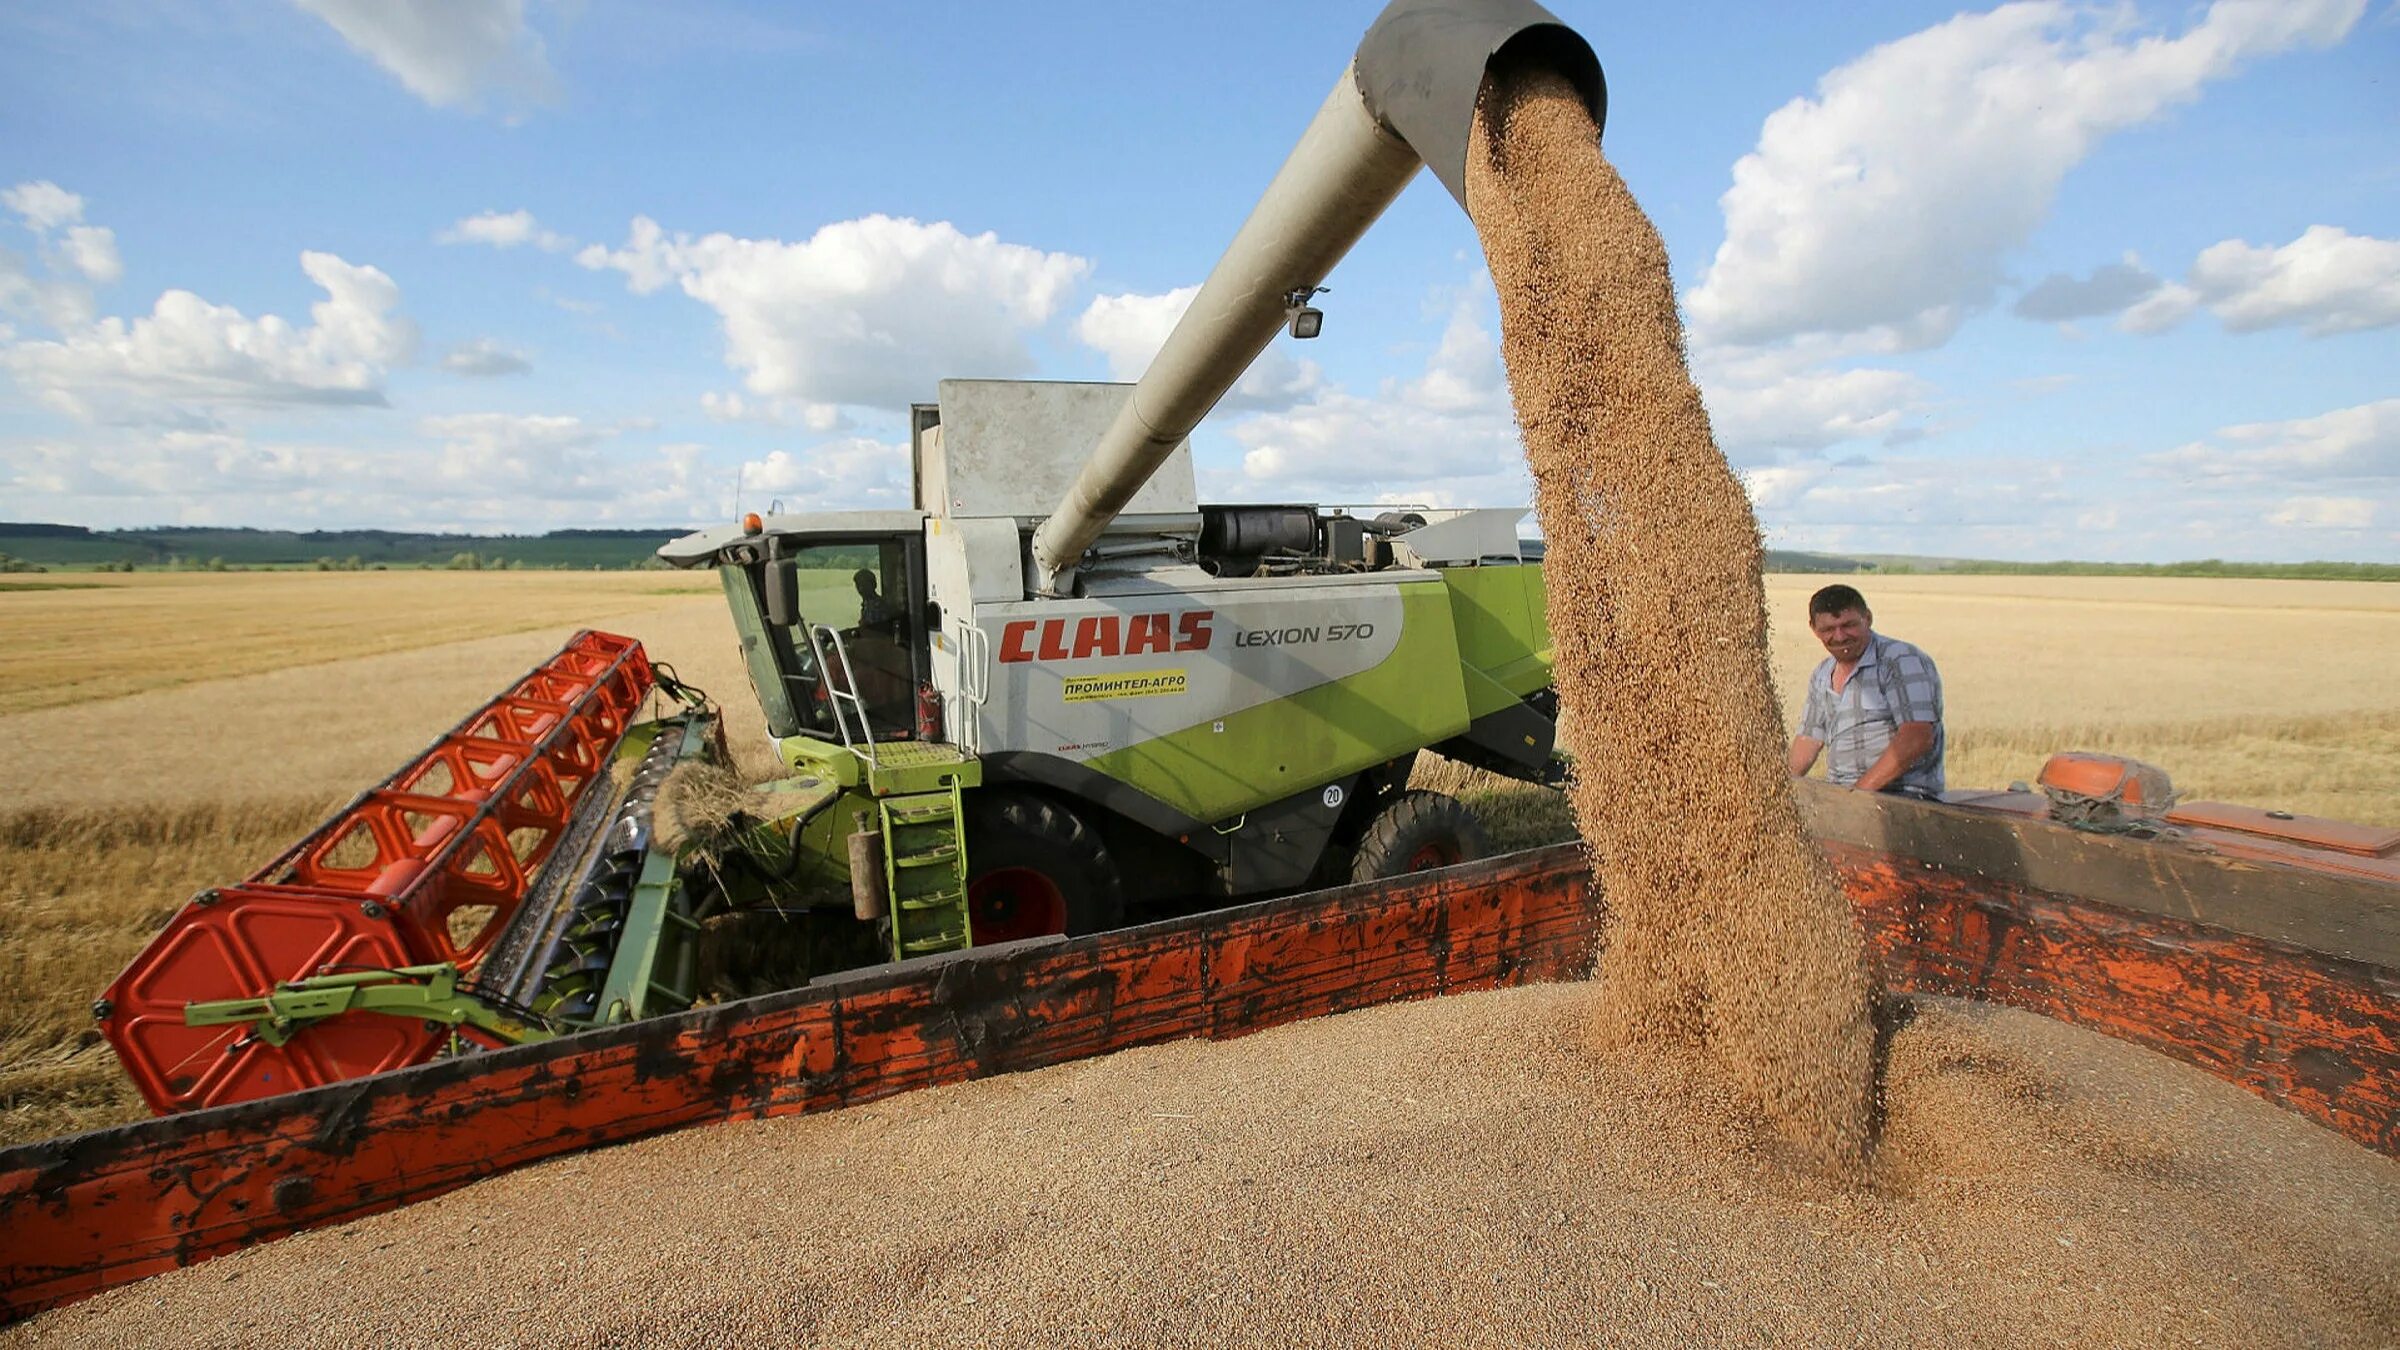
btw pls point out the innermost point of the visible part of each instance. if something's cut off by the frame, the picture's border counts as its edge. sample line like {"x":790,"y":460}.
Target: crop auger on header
{"x":1058,"y":683}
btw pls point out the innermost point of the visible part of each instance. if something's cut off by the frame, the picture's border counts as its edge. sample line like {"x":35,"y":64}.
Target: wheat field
{"x":169,"y":732}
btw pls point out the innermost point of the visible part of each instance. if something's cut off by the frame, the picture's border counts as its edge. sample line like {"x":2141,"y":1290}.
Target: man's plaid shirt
{"x":1892,"y":683}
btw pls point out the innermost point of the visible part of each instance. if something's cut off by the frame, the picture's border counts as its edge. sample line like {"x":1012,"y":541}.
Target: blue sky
{"x":2034,"y":280}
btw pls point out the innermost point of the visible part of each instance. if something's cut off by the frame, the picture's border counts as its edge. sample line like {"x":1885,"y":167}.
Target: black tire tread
{"x":1056,"y":832}
{"x":1412,"y":820}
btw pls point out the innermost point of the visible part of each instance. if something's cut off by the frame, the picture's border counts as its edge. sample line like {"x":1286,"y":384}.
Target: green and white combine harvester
{"x":1058,"y":684}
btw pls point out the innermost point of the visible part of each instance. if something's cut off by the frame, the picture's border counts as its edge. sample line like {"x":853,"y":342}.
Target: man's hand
{"x":1911,"y":741}
{"x":1805,"y":750}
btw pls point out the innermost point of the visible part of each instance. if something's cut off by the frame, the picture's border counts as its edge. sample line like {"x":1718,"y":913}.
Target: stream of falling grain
{"x":1727,"y":934}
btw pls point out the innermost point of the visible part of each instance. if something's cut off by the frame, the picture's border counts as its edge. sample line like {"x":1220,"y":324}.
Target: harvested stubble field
{"x":106,"y":635}
{"x":114,"y":809}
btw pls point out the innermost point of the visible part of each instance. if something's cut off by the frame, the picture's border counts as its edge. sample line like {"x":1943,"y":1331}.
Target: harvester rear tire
{"x":1035,"y":867}
{"x":1417,"y":833}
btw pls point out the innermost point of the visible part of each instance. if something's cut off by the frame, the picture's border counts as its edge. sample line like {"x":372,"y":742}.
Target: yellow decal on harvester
{"x":1133,"y":684}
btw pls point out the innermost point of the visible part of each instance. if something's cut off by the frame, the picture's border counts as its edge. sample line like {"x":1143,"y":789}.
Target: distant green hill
{"x":1777,"y":560}
{"x":1892,"y":564}
{"x":73,"y":546}
{"x":1784,"y":560}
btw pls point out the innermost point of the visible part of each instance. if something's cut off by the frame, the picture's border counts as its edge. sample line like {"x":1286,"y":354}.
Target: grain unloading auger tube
{"x":1406,"y":99}
{"x":361,"y":948}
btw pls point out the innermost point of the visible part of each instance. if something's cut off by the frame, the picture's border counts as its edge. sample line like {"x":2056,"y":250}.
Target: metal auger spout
{"x":1406,"y":99}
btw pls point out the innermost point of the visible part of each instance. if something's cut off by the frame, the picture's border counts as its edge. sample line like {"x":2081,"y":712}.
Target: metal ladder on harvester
{"x":925,"y":871}
{"x":924,"y":831}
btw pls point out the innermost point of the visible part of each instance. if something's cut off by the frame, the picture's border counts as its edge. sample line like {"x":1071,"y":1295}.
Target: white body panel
{"x":1467,"y":536}
{"x":1057,"y":688}
{"x":1013,"y":447}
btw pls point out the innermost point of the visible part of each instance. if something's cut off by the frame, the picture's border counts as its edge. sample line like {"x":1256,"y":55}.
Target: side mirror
{"x":782,"y":580}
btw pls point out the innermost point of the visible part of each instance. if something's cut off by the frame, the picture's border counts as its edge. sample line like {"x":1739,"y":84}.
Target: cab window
{"x":860,"y":590}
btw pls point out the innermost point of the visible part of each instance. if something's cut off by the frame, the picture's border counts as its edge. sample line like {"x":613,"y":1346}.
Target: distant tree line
{"x":2205,"y":567}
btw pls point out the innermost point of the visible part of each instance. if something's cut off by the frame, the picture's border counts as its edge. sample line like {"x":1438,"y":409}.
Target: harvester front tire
{"x":1417,"y":833}
{"x":1034,"y":867}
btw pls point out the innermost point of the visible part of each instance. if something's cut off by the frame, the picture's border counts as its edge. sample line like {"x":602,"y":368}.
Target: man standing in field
{"x":1875,"y":702}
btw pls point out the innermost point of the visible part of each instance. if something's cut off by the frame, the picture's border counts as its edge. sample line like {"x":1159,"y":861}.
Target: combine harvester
{"x":1069,"y":683}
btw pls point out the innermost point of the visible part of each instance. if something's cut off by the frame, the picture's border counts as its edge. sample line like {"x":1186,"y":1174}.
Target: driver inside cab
{"x":881,"y":662}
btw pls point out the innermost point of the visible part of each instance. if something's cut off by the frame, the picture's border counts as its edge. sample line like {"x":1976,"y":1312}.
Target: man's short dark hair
{"x":1836,"y":599}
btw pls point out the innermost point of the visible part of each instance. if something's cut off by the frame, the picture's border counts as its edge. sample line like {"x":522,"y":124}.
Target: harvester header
{"x":428,"y":868}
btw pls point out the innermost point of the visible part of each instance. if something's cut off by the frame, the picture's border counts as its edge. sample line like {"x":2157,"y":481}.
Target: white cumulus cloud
{"x":56,"y":219}
{"x":449,"y":53}
{"x":43,"y":205}
{"x":2347,"y":443}
{"x":60,"y":302}
{"x":1345,"y":446}
{"x":856,"y":473}
{"x":482,"y":472}
{"x":92,"y":250}
{"x":2324,"y":513}
{"x":505,"y":230}
{"x":2062,"y":298}
{"x":1129,"y":330}
{"x":1888,"y":203}
{"x":1445,"y":436}
{"x":2161,"y":310}
{"x":485,"y":357}
{"x":726,"y":406}
{"x":1762,"y":402}
{"x":864,"y":313}
{"x":1775,"y":487}
{"x":1905,"y":493}
{"x":511,"y":454}
{"x":2327,"y":281}
{"x":189,"y":354}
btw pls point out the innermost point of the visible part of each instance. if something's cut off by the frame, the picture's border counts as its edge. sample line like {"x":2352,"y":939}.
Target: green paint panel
{"x":1502,"y":614}
{"x":416,"y":993}
{"x":1414,"y":698}
{"x":655,"y":930}
{"x":900,"y":766}
{"x":825,"y":843}
{"x":828,"y":759}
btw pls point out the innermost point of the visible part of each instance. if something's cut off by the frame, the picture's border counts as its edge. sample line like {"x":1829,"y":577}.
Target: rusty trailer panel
{"x":1953,"y":912}
{"x":2282,"y":978}
{"x":2316,"y":1034}
{"x":93,"y":1211}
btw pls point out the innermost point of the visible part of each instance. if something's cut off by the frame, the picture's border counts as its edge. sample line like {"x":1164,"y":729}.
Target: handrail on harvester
{"x":425,"y":868}
{"x":821,"y":638}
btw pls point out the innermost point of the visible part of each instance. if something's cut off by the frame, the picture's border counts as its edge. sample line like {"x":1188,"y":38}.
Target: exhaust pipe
{"x":1407,"y":98}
